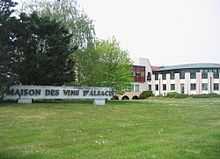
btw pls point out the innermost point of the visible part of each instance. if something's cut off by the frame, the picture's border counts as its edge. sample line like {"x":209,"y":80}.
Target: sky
{"x":167,"y":32}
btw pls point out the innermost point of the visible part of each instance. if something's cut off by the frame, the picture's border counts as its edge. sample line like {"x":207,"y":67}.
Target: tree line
{"x":54,"y":43}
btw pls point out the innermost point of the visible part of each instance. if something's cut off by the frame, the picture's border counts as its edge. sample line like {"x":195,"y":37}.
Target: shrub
{"x":115,"y":97}
{"x":145,"y":94}
{"x":205,"y":95}
{"x":176,"y":95}
{"x":3,"y":90}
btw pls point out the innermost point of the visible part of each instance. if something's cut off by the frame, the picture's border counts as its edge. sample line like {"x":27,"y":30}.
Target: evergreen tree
{"x":7,"y":37}
{"x":42,"y":49}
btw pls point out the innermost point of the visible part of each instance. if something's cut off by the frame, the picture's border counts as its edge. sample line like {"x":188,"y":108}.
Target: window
{"x":192,"y":86}
{"x":164,"y":87}
{"x":164,"y":76}
{"x":132,"y":87}
{"x":216,"y":75}
{"x":182,"y":75}
{"x":142,"y":74}
{"x":204,"y":75}
{"x":172,"y":75}
{"x":182,"y":88}
{"x":137,"y":74}
{"x":156,"y":76}
{"x":149,"y":87}
{"x":192,"y":75}
{"x":204,"y":86}
{"x":149,"y":76}
{"x":134,"y":73}
{"x":216,"y":86}
{"x":156,"y":87}
{"x":136,"y":88}
{"x":172,"y":87}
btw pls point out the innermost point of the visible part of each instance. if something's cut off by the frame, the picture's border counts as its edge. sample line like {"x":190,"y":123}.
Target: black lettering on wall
{"x":85,"y":92}
{"x":37,"y":92}
{"x":52,"y":92}
{"x":74,"y":92}
{"x":24,"y":92}
{"x":47,"y":92}
{"x":71,"y":92}
{"x":31,"y":92}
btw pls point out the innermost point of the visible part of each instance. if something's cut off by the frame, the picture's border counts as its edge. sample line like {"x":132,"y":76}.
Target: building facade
{"x":190,"y":79}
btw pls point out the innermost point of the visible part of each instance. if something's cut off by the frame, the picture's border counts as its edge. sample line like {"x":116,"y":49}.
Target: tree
{"x":66,"y":11}
{"x":42,"y":49}
{"x":105,"y":64}
{"x":7,"y":23}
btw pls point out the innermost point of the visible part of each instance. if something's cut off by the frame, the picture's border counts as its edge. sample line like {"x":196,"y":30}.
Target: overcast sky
{"x":165,"y":31}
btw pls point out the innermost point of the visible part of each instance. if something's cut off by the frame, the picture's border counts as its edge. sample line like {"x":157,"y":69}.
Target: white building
{"x":197,"y":78}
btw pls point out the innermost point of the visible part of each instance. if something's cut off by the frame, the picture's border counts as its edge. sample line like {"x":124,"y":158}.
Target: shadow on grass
{"x":19,"y":155}
{"x":86,"y":101}
{"x":4,"y":103}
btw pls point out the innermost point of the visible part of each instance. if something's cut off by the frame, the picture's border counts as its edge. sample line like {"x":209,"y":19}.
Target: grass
{"x":158,"y":128}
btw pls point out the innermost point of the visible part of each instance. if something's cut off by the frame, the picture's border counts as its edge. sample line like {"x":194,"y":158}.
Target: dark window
{"x":156,"y":76}
{"x":172,"y":75}
{"x":182,"y":75}
{"x":172,"y":87}
{"x":138,"y":74}
{"x":164,"y":87}
{"x":182,"y":88}
{"x":156,"y":87}
{"x":204,"y":86}
{"x":192,"y":86}
{"x":204,"y":75}
{"x":149,"y":87}
{"x":192,"y":75}
{"x":216,"y":75}
{"x":216,"y":86}
{"x":149,"y":76}
{"x":164,"y":76}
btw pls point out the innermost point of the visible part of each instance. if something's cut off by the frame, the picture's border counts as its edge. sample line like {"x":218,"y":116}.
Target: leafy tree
{"x":66,"y":11}
{"x":42,"y":49}
{"x":7,"y":23}
{"x":105,"y":64}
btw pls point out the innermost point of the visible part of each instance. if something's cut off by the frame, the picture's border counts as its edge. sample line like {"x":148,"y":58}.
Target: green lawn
{"x":157,"y":128}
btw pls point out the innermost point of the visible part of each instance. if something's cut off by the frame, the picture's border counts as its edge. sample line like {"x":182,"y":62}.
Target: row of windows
{"x":182,"y":75}
{"x":192,"y":87}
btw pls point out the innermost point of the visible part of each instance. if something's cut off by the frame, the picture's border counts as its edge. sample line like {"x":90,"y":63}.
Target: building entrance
{"x":182,"y":88}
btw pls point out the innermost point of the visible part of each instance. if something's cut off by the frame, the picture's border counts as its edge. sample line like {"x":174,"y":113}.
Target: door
{"x":182,"y":88}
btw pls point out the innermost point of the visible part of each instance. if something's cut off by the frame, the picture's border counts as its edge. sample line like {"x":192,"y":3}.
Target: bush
{"x":211,"y":95}
{"x":176,"y":95}
{"x":145,"y":94}
{"x":3,"y":90}
{"x":115,"y":97}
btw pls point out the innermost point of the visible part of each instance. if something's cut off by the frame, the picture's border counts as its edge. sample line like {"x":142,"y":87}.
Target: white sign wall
{"x":58,"y":92}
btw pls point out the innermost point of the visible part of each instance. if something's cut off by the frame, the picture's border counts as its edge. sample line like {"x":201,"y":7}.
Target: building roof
{"x":188,"y":66}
